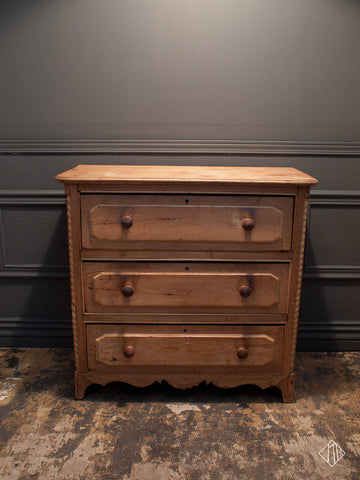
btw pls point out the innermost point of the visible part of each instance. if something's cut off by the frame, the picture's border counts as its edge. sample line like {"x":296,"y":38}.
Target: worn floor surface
{"x":160,"y":433}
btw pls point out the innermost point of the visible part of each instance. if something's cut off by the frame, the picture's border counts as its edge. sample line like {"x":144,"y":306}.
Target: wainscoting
{"x":34,"y":277}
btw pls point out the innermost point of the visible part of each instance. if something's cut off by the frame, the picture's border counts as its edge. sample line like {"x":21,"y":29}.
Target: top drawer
{"x":131,"y":221}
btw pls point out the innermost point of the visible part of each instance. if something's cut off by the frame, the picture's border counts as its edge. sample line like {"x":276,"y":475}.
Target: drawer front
{"x":133,"y":221}
{"x":121,"y":287}
{"x":117,"y":346}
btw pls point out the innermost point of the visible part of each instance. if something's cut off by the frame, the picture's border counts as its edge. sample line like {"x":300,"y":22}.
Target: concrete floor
{"x":160,"y":433}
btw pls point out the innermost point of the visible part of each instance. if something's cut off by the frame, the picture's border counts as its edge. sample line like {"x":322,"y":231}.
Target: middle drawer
{"x":136,"y":287}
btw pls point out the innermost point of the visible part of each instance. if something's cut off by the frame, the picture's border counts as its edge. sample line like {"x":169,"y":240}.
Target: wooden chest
{"x":185,"y":274}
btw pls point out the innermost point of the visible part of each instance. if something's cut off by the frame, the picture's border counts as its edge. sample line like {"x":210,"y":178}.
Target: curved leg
{"x":81,"y":384}
{"x":287,"y":388}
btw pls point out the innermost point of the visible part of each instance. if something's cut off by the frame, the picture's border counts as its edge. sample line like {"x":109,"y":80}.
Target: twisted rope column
{"x":298,"y":287}
{"x":72,"y":281}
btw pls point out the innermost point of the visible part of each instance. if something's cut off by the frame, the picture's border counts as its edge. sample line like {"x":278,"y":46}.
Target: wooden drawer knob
{"x":126,"y":221}
{"x":245,"y":291}
{"x":129,"y":351}
{"x":127,"y":291}
{"x":248,"y":224}
{"x":242,"y":352}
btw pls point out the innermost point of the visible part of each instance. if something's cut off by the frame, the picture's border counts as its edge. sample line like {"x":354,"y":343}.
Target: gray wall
{"x":219,"y":82}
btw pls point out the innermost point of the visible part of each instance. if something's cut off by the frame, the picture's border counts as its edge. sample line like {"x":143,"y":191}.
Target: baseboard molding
{"x":324,"y":337}
{"x":329,"y":345}
{"x":35,"y":332}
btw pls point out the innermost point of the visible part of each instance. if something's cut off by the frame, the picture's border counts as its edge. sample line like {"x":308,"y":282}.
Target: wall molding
{"x":332,"y":272}
{"x":226,"y":147}
{"x":328,"y":337}
{"x":334,"y":198}
{"x":343,"y":328}
{"x":34,"y":271}
{"x":52,"y":332}
{"x":32,"y":323}
{"x":326,"y":199}
{"x":29,"y":198}
{"x":35,"y":332}
{"x":32,"y":197}
{"x":57,"y":197}
{"x":319,"y":272}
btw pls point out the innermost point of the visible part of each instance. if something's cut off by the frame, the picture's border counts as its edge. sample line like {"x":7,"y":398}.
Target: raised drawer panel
{"x":116,"y":346}
{"x":118,"y":287}
{"x":130,"y":221}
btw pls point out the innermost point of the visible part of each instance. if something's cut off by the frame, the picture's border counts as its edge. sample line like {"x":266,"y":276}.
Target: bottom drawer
{"x":116,"y":347}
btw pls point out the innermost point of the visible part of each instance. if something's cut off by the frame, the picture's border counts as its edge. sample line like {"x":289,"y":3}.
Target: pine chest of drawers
{"x":185,"y":274}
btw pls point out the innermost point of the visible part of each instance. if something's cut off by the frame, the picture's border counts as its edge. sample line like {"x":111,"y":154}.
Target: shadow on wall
{"x":45,"y":319}
{"x":315,"y":330}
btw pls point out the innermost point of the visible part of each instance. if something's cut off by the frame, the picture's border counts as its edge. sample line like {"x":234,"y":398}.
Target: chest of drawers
{"x":185,"y":274}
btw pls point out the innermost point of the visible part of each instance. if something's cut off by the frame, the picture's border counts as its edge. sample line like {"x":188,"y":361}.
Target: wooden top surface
{"x":157,"y":173}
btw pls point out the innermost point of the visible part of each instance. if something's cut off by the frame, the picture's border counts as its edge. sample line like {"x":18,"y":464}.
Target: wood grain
{"x":300,"y":216}
{"x":191,"y":318}
{"x":193,"y":286}
{"x":74,"y":233}
{"x":188,"y":252}
{"x":165,"y":346}
{"x":186,"y":219}
{"x":180,"y":380}
{"x":287,"y":387}
{"x":190,"y":174}
{"x":205,"y":188}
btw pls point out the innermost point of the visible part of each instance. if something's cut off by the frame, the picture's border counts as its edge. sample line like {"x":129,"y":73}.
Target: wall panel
{"x":34,"y":309}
